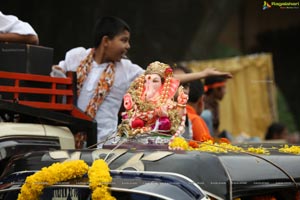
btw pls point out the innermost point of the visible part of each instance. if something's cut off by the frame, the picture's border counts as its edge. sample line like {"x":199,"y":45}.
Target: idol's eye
{"x":156,"y":80}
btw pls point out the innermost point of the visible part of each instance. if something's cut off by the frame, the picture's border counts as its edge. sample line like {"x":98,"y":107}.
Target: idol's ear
{"x":174,"y":83}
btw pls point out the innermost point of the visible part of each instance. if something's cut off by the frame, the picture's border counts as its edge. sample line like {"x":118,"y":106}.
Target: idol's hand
{"x":127,"y":101}
{"x":182,"y":97}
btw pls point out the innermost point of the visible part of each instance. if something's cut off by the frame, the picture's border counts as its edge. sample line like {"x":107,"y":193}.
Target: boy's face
{"x":117,"y":47}
{"x":219,"y":92}
{"x":200,"y":106}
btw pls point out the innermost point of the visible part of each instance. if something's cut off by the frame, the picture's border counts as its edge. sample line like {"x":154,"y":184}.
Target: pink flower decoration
{"x":164,"y":123}
{"x":168,"y":71}
{"x":127,"y":101}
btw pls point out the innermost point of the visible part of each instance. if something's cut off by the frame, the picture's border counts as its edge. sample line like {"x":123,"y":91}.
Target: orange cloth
{"x":200,"y":129}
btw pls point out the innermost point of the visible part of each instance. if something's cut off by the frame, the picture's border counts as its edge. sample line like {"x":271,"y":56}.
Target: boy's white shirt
{"x":125,"y":73}
{"x":11,"y":24}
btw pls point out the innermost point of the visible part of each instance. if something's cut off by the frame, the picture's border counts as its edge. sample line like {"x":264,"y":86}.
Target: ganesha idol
{"x":150,"y":105}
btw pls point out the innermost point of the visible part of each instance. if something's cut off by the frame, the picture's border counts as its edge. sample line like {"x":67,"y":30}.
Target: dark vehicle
{"x":220,"y":175}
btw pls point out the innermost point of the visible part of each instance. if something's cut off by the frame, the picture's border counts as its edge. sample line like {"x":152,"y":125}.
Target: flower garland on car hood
{"x":221,"y":146}
{"x":292,"y":149}
{"x":98,"y":174}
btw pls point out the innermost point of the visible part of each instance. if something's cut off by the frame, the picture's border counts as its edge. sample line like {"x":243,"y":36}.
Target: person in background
{"x":194,"y":109}
{"x":276,"y":131}
{"x":14,"y":30}
{"x":215,"y":89}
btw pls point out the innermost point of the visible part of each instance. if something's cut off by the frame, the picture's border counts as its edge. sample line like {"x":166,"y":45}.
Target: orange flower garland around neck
{"x":150,"y":106}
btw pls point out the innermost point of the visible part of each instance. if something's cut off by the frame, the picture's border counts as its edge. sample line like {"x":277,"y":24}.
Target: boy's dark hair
{"x":196,"y":91}
{"x":109,"y":26}
{"x":212,"y":80}
{"x":275,"y":129}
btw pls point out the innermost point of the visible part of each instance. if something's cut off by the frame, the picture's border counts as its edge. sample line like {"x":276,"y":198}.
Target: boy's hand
{"x":213,"y":72}
{"x":57,"y":71}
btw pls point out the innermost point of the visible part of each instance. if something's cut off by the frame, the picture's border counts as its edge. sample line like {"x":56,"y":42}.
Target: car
{"x":231,"y":175}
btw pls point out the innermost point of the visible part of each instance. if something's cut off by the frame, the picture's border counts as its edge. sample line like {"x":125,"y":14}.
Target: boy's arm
{"x":18,"y":38}
{"x":57,"y":71}
{"x":70,"y":63}
{"x":203,"y":74}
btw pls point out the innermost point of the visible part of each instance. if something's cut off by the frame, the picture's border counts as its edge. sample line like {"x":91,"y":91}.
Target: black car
{"x":232,"y":175}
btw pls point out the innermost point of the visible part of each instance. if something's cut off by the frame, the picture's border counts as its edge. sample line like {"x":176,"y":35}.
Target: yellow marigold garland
{"x":98,"y":174}
{"x":210,"y":146}
{"x":292,"y":149}
{"x":258,"y":150}
{"x":215,"y":147}
{"x":99,"y":179}
{"x":57,"y":172}
{"x":179,"y":143}
{"x":207,"y":146}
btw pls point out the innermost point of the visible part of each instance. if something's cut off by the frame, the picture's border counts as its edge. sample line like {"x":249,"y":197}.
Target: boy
{"x":103,"y":75}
